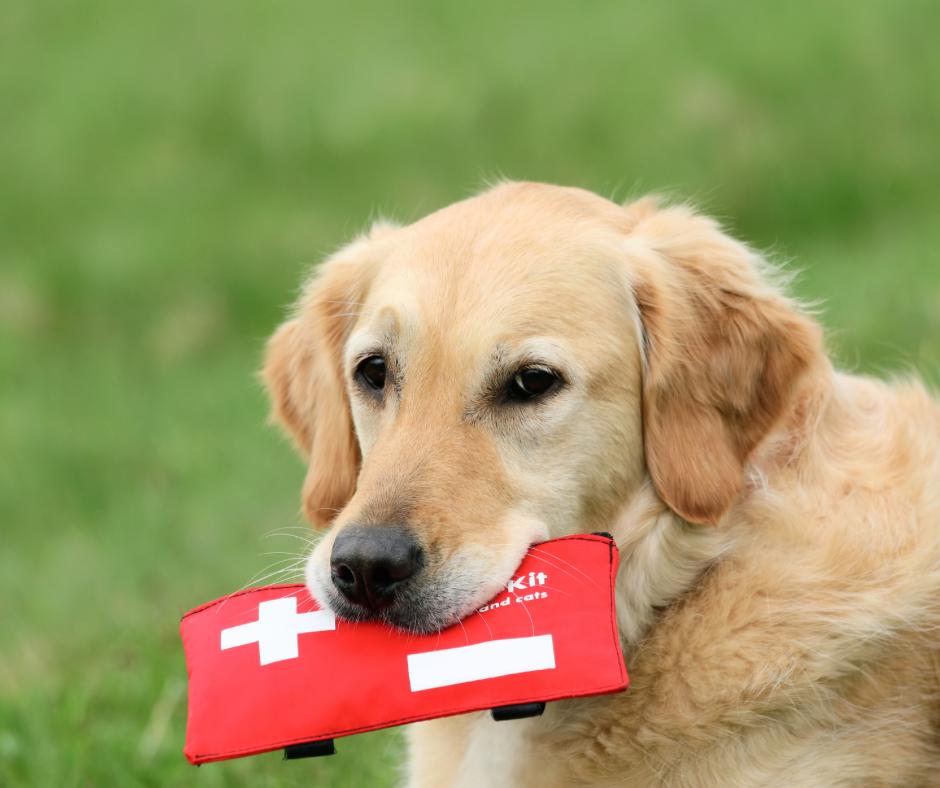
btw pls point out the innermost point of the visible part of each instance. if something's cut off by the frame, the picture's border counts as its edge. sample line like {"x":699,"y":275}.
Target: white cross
{"x":277,"y":629}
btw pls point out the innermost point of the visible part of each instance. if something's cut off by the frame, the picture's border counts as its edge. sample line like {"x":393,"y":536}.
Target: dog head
{"x":516,"y":367}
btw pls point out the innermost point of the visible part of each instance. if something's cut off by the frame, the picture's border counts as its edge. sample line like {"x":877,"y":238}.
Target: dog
{"x":537,"y":361}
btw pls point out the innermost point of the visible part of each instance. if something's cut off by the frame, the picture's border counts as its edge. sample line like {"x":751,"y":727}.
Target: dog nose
{"x":371,"y":563}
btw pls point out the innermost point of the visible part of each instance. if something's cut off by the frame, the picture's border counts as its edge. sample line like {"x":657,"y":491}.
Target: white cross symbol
{"x":277,"y":629}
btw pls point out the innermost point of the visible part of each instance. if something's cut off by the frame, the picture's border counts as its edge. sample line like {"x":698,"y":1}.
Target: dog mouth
{"x":429,"y":602}
{"x":413,"y":611}
{"x":387,"y":575}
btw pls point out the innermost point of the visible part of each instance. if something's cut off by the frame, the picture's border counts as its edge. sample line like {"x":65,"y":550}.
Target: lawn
{"x":167,"y":172}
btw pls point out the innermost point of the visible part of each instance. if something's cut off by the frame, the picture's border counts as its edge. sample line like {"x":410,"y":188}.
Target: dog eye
{"x":371,"y":371}
{"x":531,"y":382}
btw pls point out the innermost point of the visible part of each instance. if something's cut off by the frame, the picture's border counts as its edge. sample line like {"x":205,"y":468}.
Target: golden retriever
{"x":538,"y":361}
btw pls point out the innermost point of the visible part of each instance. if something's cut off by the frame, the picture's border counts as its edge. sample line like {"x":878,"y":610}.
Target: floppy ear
{"x":303,"y":372}
{"x":724,"y":351}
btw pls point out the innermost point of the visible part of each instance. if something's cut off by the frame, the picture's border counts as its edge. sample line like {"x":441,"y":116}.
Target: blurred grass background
{"x":167,"y":172}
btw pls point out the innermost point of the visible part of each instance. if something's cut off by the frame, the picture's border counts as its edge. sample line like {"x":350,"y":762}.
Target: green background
{"x":167,"y":172}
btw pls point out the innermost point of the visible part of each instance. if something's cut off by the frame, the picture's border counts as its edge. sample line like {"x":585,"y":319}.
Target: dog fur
{"x":778,"y":520}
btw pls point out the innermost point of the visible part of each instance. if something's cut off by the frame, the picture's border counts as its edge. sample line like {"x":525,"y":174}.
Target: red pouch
{"x":268,"y":669}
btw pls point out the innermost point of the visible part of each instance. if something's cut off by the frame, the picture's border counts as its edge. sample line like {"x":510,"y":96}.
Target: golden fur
{"x":778,"y":521}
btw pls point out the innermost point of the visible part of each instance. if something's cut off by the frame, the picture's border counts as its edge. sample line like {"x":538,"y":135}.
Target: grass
{"x":168,"y":170}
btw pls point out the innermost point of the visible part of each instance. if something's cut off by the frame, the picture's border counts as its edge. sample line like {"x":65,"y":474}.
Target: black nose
{"x":371,"y":563}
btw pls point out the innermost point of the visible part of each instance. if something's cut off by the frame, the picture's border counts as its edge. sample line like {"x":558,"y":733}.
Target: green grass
{"x":168,"y":170}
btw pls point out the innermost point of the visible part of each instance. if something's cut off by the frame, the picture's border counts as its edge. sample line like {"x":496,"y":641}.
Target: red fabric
{"x":356,"y":677}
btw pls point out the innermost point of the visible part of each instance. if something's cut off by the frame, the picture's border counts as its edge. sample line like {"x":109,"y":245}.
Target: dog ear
{"x":723,"y":353}
{"x":303,"y":372}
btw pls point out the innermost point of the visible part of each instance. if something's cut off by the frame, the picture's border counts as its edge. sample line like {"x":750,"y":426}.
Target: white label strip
{"x":480,"y":661}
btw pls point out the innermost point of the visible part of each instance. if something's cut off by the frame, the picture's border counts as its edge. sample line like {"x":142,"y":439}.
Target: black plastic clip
{"x":602,"y":533}
{"x":518,"y":711}
{"x":310,"y":749}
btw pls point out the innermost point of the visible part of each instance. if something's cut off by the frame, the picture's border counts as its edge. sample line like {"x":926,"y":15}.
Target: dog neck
{"x":662,"y":558}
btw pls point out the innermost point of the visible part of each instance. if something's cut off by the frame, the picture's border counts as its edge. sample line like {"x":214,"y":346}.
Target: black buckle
{"x":310,"y":749}
{"x":518,"y":711}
